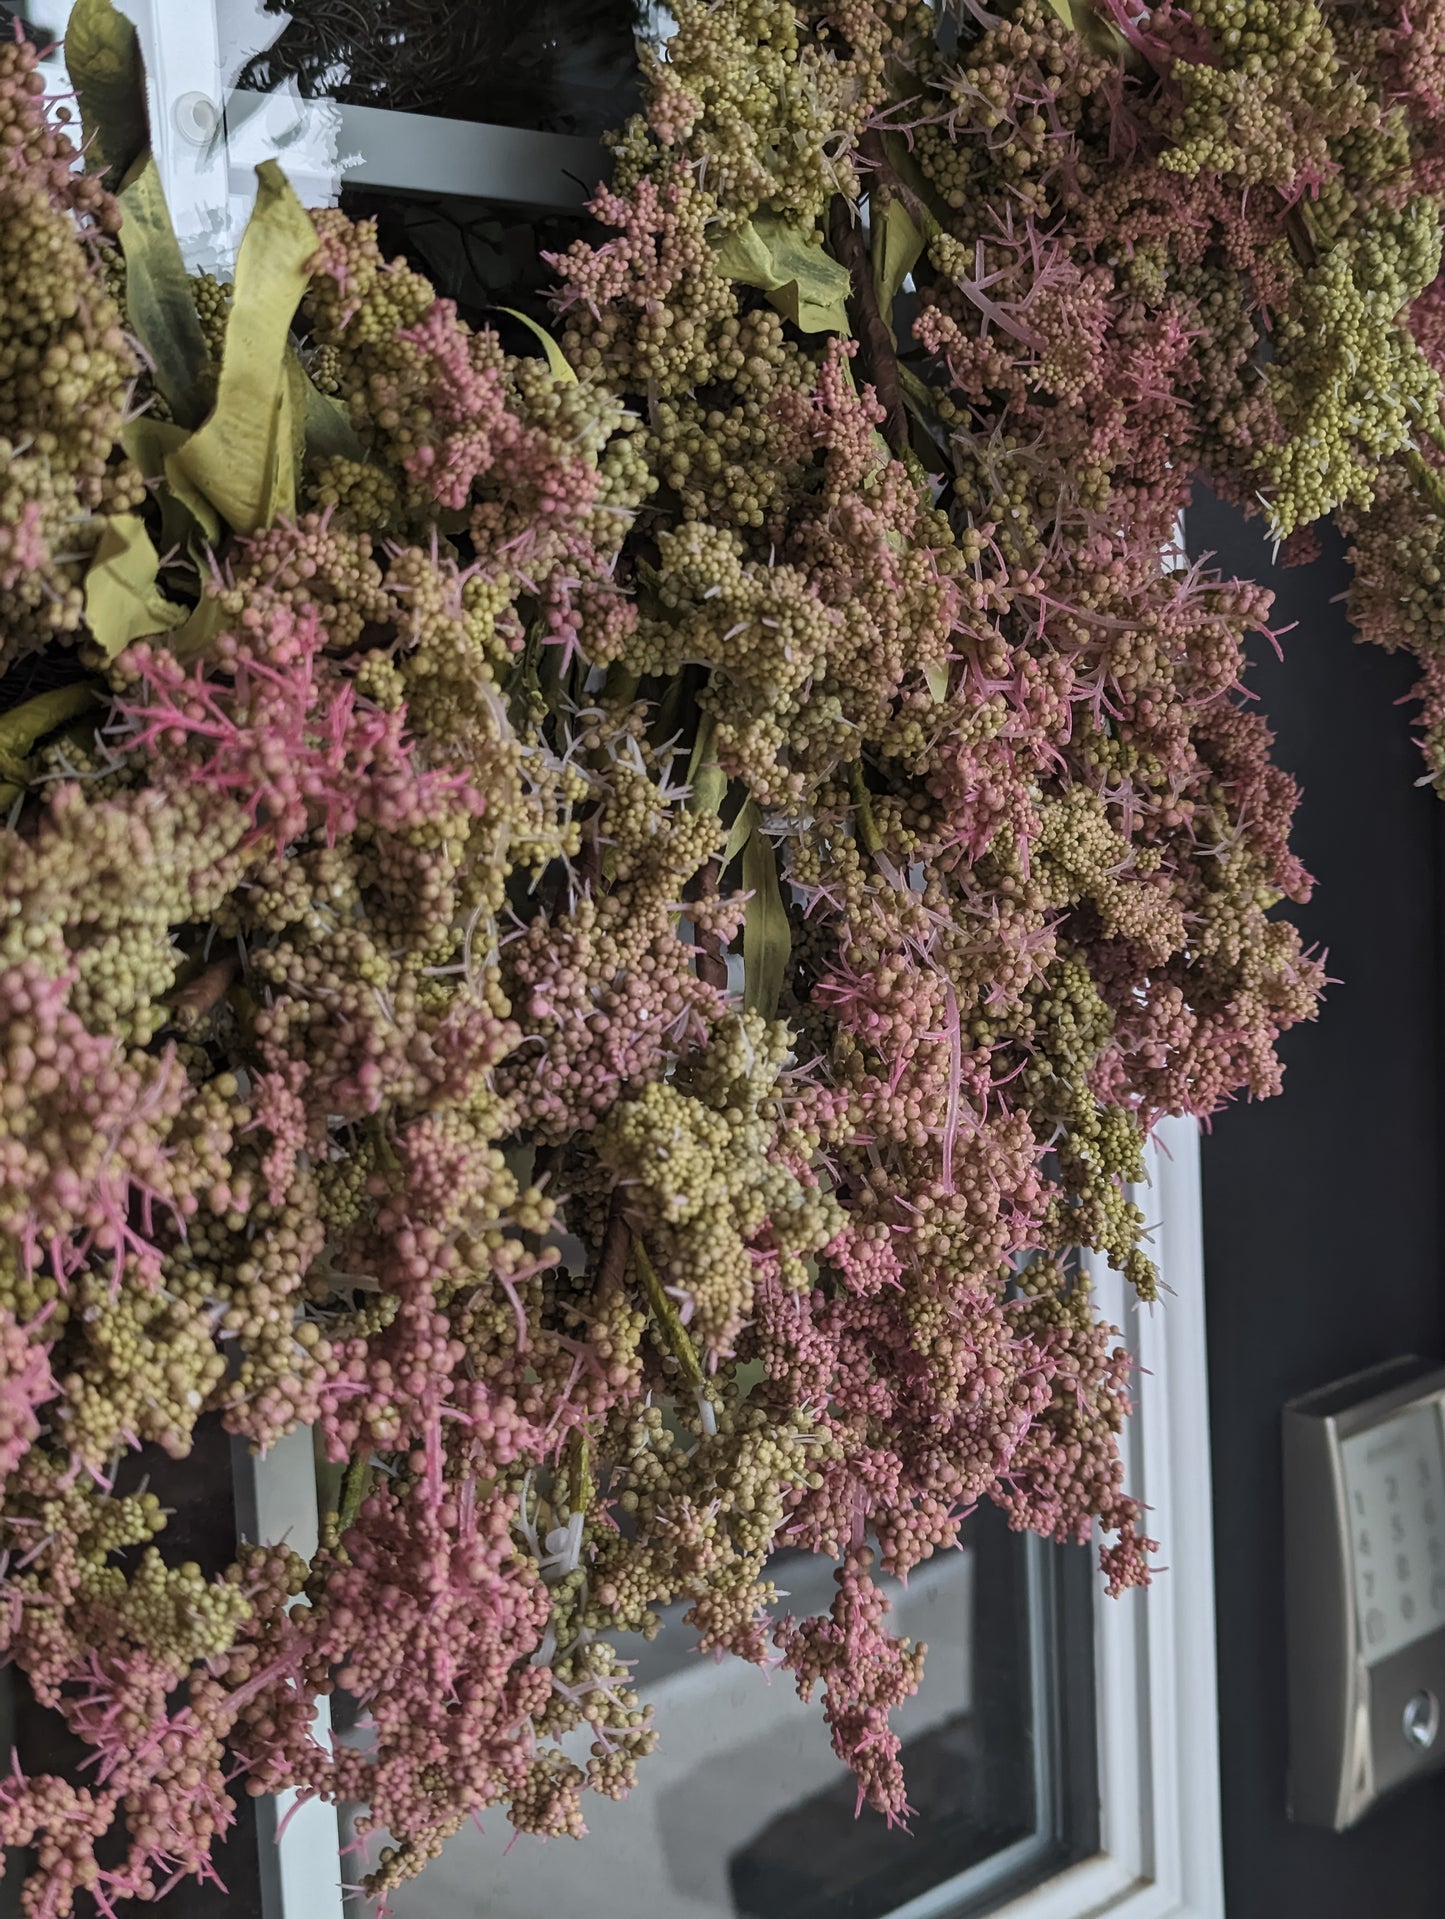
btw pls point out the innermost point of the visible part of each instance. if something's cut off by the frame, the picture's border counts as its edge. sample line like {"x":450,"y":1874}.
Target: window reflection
{"x":561,"y":66}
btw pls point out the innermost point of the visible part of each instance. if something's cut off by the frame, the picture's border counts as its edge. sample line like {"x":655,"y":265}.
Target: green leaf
{"x":122,"y":601}
{"x":937,"y":679}
{"x":329,"y":432}
{"x":706,"y":778}
{"x":801,"y":279}
{"x":767,"y":936}
{"x":243,"y":458}
{"x":158,"y":296}
{"x":741,"y":833}
{"x":556,"y":359}
{"x":23,"y":725}
{"x":102,"y":57}
{"x":897,"y":247}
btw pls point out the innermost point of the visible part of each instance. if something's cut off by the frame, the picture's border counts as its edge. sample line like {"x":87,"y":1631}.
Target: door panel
{"x":1322,"y":1236}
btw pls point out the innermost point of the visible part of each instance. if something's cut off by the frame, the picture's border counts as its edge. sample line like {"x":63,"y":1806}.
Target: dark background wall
{"x":1322,"y":1221}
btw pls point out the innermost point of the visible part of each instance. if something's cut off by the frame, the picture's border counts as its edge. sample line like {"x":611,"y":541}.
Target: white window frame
{"x":1160,"y":1853}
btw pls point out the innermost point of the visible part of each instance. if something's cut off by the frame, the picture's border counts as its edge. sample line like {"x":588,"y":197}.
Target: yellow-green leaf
{"x":102,"y":57}
{"x":767,"y":936}
{"x":556,"y":359}
{"x":789,"y":263}
{"x":897,"y":246}
{"x":937,"y":679}
{"x":150,"y":441}
{"x":158,"y":298}
{"x":122,"y":601}
{"x":184,"y":507}
{"x":293,"y":421}
{"x":243,"y":458}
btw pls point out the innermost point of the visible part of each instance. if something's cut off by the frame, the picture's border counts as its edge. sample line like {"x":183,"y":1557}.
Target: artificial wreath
{"x":600,"y":925}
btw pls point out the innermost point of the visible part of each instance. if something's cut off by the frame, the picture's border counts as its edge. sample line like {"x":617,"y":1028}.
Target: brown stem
{"x":875,"y":342}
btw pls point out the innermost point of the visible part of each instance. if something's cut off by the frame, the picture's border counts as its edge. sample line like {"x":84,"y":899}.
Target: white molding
{"x":1160,"y":1850}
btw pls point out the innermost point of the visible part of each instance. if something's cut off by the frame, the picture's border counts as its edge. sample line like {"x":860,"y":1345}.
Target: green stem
{"x":675,"y":1337}
{"x":1428,"y":479}
{"x":866,"y":827}
{"x":355,"y":1485}
{"x":580,"y":1484}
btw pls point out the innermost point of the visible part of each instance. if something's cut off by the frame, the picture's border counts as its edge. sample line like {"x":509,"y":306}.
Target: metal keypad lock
{"x":1364,"y":1501}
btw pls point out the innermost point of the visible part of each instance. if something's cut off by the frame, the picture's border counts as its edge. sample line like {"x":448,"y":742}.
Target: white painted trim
{"x":1160,"y":1854}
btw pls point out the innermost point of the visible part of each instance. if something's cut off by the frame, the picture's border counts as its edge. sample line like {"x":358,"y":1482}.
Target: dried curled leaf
{"x":158,"y":298}
{"x":23,"y":725}
{"x":102,"y":57}
{"x":244,"y":458}
{"x":122,"y":601}
{"x":928,"y":212}
{"x":789,"y":263}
